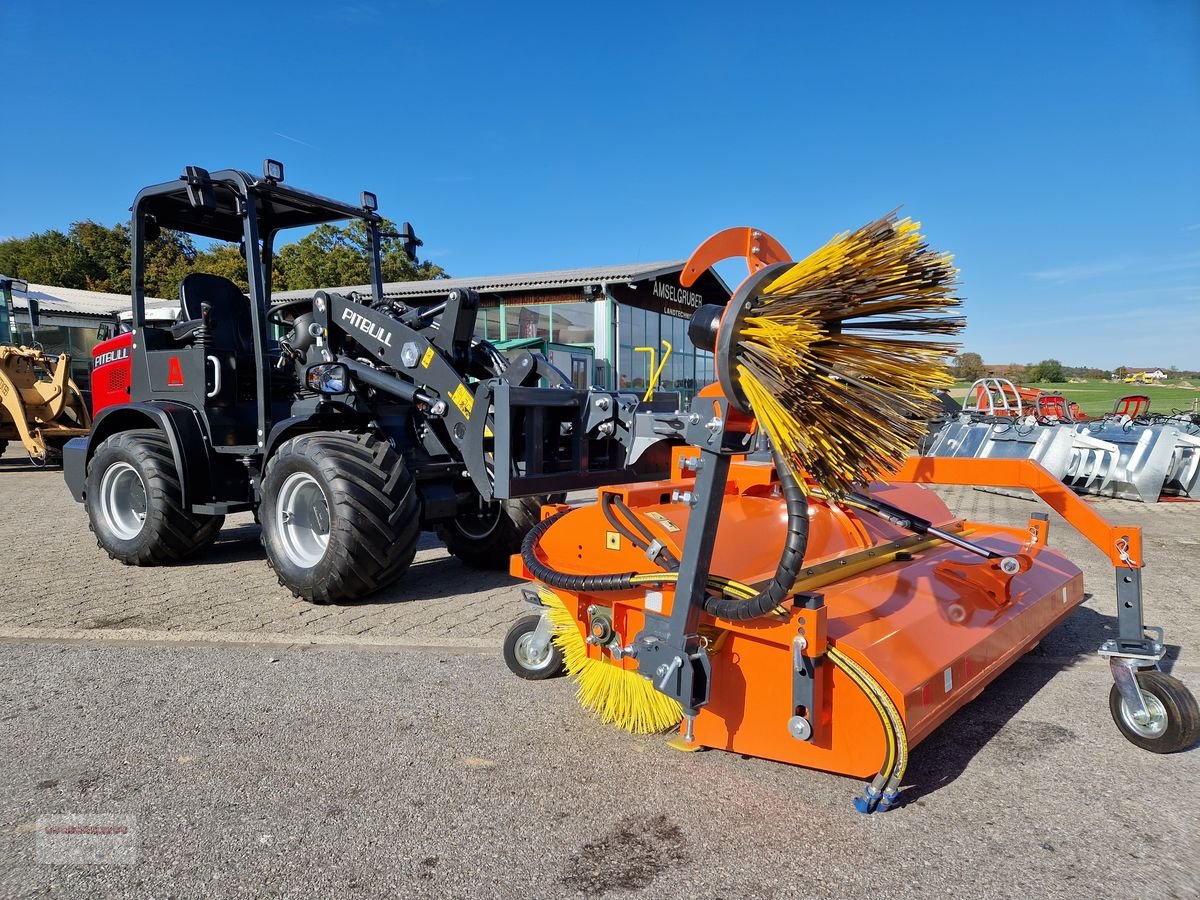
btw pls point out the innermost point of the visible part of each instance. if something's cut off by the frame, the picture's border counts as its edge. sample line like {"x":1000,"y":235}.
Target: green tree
{"x":107,"y":253}
{"x":49,"y":257}
{"x":336,"y":256}
{"x":168,"y":259}
{"x":98,"y":257}
{"x":969,"y":367}
{"x":225,"y":260}
{"x":1049,"y":371}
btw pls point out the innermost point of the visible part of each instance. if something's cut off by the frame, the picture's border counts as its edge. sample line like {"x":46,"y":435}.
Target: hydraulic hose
{"x":664,"y":559}
{"x":890,"y":757}
{"x":886,"y":797}
{"x":620,"y":581}
{"x":790,"y":562}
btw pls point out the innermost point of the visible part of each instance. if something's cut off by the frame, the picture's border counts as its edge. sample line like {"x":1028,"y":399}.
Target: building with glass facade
{"x":597,"y":324}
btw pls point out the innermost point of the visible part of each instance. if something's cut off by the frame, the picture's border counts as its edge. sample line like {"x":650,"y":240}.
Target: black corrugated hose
{"x":725,"y":607}
{"x":621,"y":581}
{"x":790,"y":563}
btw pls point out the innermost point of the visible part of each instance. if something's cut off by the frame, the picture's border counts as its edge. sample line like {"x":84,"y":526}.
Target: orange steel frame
{"x":757,"y":247}
{"x":1122,"y":544}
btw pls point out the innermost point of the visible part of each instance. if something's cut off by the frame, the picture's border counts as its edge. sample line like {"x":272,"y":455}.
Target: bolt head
{"x":800,"y":728}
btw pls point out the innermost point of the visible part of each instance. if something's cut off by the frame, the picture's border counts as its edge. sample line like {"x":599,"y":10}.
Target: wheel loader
{"x":346,"y":423}
{"x":40,"y":405}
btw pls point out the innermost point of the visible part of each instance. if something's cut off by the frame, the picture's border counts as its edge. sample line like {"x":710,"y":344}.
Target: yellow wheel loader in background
{"x":39,"y":403}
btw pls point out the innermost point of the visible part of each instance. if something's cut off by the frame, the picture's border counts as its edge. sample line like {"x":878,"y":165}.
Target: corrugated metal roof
{"x":72,"y":301}
{"x":557,"y":278}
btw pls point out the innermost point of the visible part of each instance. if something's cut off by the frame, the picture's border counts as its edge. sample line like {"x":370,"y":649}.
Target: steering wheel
{"x":275,"y":315}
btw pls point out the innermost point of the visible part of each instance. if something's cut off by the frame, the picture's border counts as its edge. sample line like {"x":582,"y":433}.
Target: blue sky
{"x":1053,"y":147}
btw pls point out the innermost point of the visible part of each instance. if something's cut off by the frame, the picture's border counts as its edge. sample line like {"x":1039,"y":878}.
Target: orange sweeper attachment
{"x":793,"y":591}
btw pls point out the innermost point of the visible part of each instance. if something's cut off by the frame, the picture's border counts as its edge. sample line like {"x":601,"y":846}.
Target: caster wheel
{"x":519,"y":655}
{"x":1174,"y":722}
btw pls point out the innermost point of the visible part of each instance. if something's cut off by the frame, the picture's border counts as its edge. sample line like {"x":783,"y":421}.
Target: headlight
{"x":328,"y":378}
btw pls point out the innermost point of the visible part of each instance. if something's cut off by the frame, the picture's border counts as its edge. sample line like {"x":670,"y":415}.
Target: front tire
{"x":135,"y":503}
{"x":488,"y":538}
{"x":519,"y":655}
{"x":1174,"y":722}
{"x":340,"y":516}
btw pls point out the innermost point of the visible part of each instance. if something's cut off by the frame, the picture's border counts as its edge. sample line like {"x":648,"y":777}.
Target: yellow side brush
{"x":618,"y":696}
{"x":817,"y":350}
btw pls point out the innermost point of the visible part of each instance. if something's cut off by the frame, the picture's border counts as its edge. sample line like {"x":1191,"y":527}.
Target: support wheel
{"x":135,"y":502}
{"x":340,"y":515}
{"x":487,"y":537}
{"x":1174,"y":722}
{"x":519,"y":655}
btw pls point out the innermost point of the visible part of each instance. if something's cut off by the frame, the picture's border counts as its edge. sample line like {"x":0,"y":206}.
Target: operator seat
{"x":232,"y":326}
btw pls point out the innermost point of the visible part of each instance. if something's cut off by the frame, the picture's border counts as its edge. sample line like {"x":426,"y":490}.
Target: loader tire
{"x":340,"y":515}
{"x":3,"y":447}
{"x":135,"y":503}
{"x":489,"y":539}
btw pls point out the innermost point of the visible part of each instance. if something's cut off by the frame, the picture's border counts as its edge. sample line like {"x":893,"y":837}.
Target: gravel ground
{"x":261,"y":746}
{"x":316,"y":773}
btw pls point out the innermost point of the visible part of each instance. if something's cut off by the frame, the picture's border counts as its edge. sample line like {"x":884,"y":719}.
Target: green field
{"x":1097,"y":397}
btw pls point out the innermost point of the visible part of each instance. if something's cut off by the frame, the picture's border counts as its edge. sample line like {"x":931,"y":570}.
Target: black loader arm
{"x":422,"y":358}
{"x":514,"y":438}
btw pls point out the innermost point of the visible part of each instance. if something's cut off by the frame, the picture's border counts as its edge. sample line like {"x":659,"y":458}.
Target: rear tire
{"x":489,"y":540}
{"x":134,"y":503}
{"x":340,"y":516}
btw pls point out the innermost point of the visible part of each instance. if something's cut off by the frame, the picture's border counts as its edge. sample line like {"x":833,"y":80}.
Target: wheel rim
{"x":1152,"y":727}
{"x":303,"y":515}
{"x":123,"y":500}
{"x":527,"y":658}
{"x":480,"y":523}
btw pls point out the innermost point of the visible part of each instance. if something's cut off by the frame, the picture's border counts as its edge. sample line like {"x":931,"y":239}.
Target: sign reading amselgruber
{"x":662,"y":293}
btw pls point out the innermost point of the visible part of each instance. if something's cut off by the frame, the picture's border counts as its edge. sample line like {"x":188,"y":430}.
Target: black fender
{"x":185,"y":435}
{"x":285,"y":429}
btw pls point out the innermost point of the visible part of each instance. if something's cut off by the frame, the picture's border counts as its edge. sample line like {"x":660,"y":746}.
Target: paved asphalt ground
{"x":260,"y":747}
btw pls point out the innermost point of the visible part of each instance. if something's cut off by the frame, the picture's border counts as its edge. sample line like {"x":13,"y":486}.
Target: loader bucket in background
{"x":1140,"y":462}
{"x":1050,"y":445}
{"x":1114,"y":457}
{"x":1183,"y":474}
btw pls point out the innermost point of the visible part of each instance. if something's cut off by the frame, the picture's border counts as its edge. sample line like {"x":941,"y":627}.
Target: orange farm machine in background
{"x":828,"y":622}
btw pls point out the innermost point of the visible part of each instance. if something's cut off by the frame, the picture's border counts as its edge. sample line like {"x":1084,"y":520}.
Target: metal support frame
{"x":807,"y":687}
{"x":1134,"y":641}
{"x":1124,"y":672}
{"x":669,"y":650}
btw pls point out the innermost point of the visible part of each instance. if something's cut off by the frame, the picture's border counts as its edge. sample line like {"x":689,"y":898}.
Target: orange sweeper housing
{"x":836,"y":622}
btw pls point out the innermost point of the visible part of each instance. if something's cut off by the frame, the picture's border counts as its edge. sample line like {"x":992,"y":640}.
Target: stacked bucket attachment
{"x":792,"y":591}
{"x":1129,"y":454}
